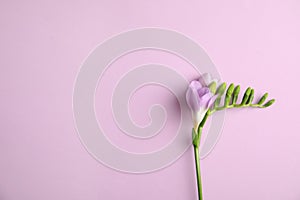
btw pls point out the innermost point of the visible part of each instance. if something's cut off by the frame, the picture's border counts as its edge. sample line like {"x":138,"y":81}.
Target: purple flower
{"x":199,"y":98}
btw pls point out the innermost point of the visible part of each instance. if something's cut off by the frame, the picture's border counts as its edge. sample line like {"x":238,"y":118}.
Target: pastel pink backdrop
{"x":43,"y":44}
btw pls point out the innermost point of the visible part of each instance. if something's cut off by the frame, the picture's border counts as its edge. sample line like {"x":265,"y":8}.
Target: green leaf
{"x":235,"y":94}
{"x":262,"y":99}
{"x":251,"y":96}
{"x":228,"y":94}
{"x":246,"y":96}
{"x":269,"y":103}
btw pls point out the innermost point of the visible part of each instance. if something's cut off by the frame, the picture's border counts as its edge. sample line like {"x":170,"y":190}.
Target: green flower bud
{"x":230,"y":89}
{"x":262,"y":99}
{"x":235,"y":94}
{"x":217,"y":101}
{"x":229,"y":94}
{"x":213,"y":87}
{"x":221,"y":89}
{"x":269,"y":103}
{"x":251,"y":96}
{"x":246,"y":96}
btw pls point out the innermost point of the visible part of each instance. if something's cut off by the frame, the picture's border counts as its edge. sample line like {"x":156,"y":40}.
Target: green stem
{"x":196,"y":144}
{"x":198,"y":172}
{"x":236,"y":106}
{"x":197,"y":162}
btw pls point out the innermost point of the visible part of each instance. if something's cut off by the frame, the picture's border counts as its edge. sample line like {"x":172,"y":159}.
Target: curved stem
{"x":198,"y":172}
{"x":236,"y":106}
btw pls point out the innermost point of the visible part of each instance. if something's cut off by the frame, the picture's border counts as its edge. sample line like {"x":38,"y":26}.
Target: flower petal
{"x":195,"y":85}
{"x":211,"y":101}
{"x":203,"y":91}
{"x":205,"y":99}
{"x":205,"y":79}
{"x":192,"y":99}
{"x":198,"y":117}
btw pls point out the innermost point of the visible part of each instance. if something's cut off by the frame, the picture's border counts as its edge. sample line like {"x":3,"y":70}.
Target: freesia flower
{"x":205,"y":92}
{"x":199,"y":98}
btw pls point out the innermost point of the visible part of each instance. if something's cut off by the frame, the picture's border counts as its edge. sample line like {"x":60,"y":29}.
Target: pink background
{"x":42,"y":45}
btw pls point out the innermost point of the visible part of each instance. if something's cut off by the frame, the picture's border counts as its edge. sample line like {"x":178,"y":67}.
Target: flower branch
{"x":231,"y":97}
{"x":204,"y":96}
